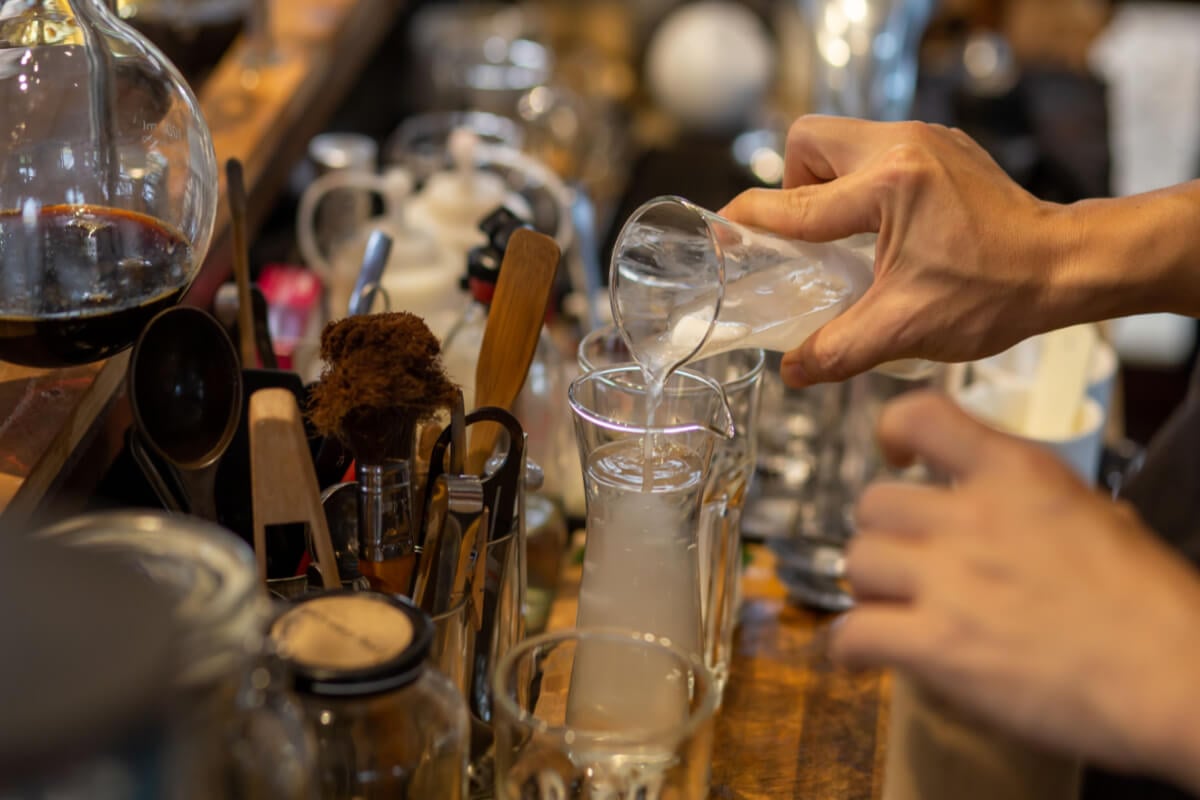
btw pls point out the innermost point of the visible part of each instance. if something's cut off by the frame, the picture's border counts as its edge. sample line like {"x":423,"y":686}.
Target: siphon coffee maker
{"x":108,"y":183}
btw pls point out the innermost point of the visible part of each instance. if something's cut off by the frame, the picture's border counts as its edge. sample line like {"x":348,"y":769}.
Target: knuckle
{"x":827,"y":361}
{"x":800,"y":133}
{"x":858,"y":553}
{"x":868,"y":509}
{"x":947,"y":632}
{"x":905,"y":163}
{"x":799,"y":206}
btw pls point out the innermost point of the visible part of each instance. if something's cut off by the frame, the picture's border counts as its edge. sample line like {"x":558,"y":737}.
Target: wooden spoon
{"x":283,"y":481}
{"x":511,"y":334}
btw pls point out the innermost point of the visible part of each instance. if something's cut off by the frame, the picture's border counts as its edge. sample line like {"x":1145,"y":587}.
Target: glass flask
{"x":687,"y":284}
{"x":108,"y":182}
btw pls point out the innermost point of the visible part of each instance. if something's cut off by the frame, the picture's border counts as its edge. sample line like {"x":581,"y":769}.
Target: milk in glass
{"x":640,"y":572}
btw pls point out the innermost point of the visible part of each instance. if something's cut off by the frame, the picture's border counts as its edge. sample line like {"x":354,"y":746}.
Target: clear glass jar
{"x":244,"y":734}
{"x":387,"y":724}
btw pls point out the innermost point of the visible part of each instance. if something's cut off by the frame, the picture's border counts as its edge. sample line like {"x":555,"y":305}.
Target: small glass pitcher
{"x":687,"y":284}
{"x":641,"y":568}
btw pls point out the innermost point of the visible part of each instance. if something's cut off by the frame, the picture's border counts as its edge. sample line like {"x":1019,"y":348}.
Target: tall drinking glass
{"x":551,"y":746}
{"x":731,"y":469}
{"x":644,"y":486}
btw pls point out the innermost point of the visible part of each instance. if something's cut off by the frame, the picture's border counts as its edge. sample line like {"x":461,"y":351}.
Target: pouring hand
{"x":1024,"y":597}
{"x":967,"y":263}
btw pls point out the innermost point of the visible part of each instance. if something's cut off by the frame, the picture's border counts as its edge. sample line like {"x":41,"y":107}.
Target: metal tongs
{"x":464,"y":512}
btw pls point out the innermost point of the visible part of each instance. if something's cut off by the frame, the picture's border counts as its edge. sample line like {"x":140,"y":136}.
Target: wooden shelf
{"x":263,"y":116}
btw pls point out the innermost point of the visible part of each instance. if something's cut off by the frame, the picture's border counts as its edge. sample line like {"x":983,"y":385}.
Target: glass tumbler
{"x":552,"y":744}
{"x":644,"y":486}
{"x":740,"y":374}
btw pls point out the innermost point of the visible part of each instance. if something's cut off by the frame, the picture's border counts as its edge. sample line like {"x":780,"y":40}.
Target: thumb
{"x":854,"y":342}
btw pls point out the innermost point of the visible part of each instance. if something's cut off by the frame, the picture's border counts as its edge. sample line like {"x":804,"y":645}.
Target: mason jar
{"x":387,"y":724}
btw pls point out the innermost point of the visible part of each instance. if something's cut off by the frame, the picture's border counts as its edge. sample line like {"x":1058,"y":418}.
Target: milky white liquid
{"x":639,"y":573}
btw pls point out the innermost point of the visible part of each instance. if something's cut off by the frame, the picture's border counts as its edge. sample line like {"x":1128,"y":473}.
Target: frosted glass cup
{"x":640,"y":568}
{"x":687,"y":284}
{"x":553,"y":745}
{"x":731,"y":469}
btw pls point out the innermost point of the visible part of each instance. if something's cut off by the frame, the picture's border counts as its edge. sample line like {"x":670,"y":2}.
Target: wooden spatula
{"x":511,"y":335}
{"x":283,"y":481}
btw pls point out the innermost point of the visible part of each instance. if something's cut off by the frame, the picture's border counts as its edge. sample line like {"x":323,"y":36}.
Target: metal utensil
{"x":585,"y":268}
{"x":185,"y":390}
{"x":375,"y":257}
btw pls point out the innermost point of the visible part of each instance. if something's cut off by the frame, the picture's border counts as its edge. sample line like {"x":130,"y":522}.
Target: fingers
{"x":877,"y":636}
{"x":884,"y":566}
{"x":821,"y":148}
{"x":854,"y":342}
{"x":821,"y":213}
{"x":930,"y":427}
{"x":905,"y":508}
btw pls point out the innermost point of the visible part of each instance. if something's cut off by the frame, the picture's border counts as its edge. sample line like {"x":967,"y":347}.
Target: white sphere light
{"x":709,"y":65}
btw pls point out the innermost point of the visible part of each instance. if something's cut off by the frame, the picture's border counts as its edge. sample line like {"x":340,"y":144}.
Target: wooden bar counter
{"x":791,"y":727}
{"x":53,"y":436}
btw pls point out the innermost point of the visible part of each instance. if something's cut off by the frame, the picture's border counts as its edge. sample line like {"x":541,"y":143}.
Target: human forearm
{"x":1130,"y":255}
{"x":1168,"y":731}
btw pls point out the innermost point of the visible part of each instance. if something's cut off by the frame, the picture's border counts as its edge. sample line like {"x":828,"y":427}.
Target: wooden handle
{"x":283,"y":480}
{"x":511,"y":334}
{"x":235,"y":188}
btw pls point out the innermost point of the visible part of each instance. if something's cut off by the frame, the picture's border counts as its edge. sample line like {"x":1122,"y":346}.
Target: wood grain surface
{"x":790,"y":726}
{"x":260,"y":113}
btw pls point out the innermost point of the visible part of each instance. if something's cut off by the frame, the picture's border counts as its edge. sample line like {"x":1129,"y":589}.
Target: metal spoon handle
{"x":379,"y":247}
{"x":153,"y":475}
{"x":200,"y":486}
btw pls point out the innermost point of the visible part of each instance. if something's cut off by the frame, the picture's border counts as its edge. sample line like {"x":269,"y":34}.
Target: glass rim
{"x":697,"y":716}
{"x":610,"y":424}
{"x":743,"y":380}
{"x":703,"y":215}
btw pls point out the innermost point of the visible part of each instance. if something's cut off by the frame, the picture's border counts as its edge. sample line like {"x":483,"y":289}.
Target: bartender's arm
{"x":1025,"y":597}
{"x":967,"y":262}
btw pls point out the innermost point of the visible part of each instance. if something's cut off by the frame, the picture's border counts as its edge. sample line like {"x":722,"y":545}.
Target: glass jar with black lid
{"x":387,"y":724}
